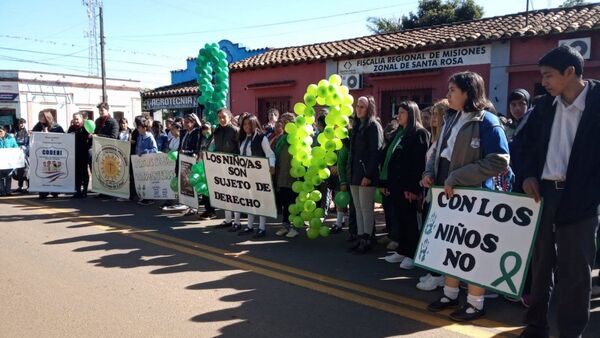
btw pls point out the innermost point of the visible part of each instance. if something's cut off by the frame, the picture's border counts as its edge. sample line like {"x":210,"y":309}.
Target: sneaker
{"x":206,"y":215}
{"x":223,"y":225}
{"x":245,"y":231}
{"x":442,"y":304}
{"x":292,"y":233}
{"x":466,"y":313}
{"x":394,"y":258}
{"x":145,"y":202}
{"x":282,"y":232}
{"x":407,"y":264}
{"x":260,"y":233}
{"x":431,"y":283}
{"x":235,"y":227}
{"x":424,"y":278}
{"x":335,"y":229}
{"x":392,"y":245}
{"x":175,"y":207}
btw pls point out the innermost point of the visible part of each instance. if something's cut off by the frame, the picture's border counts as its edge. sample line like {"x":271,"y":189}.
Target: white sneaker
{"x":424,"y":278}
{"x":394,"y":258}
{"x":392,"y":245}
{"x":292,"y":233}
{"x":407,"y":264}
{"x":431,"y":283}
{"x":281,"y":232}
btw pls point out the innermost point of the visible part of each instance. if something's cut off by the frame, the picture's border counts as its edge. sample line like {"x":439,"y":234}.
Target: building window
{"x":87,"y":114}
{"x":264,"y":104}
{"x":8,"y":119}
{"x":391,"y":99}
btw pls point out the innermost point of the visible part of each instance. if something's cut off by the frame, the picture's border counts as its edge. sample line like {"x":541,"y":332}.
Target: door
{"x":391,"y":99}
{"x":264,"y":104}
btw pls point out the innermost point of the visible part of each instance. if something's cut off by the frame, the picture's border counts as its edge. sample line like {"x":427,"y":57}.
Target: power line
{"x":260,"y":25}
{"x":82,"y":57}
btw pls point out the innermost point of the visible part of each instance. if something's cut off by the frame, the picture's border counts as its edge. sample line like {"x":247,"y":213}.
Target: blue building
{"x":180,"y":97}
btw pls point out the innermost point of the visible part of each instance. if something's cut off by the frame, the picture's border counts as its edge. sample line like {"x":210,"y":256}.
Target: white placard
{"x":451,"y":57}
{"x":187,"y":194}
{"x":240,"y":183}
{"x":481,"y":237}
{"x":110,"y":166}
{"x":52,"y":162}
{"x":12,"y":158}
{"x":152,"y":175}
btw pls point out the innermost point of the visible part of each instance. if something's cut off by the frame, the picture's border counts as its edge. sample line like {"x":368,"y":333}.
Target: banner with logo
{"x":187,"y":195}
{"x":240,"y":183}
{"x":482,"y":237}
{"x":152,"y":176}
{"x":52,"y":162}
{"x":110,"y":166}
{"x":12,"y":158}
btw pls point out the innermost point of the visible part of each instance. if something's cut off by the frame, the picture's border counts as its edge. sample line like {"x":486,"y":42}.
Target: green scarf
{"x":390,"y":151}
{"x":280,"y":143}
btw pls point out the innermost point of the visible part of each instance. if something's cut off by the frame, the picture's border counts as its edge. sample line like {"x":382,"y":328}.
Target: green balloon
{"x":298,"y":222}
{"x":341,"y":132}
{"x":315,"y":223}
{"x":330,"y":145}
{"x":172,"y":155}
{"x":307,"y":186}
{"x":319,"y":213}
{"x":330,"y":158}
{"x":324,"y":173}
{"x":312,"y":89}
{"x":309,"y":112}
{"x":312,"y":233}
{"x":292,"y":208}
{"x":329,"y":132}
{"x":300,"y":121}
{"x":89,"y":126}
{"x":310,"y":206}
{"x":198,"y":168}
{"x":299,"y":108}
{"x":316,"y":180}
{"x":324,"y":231}
{"x":297,"y":187}
{"x":342,"y":199}
{"x":315,"y":195}
{"x":290,"y":128}
{"x":306,"y":215}
{"x":310,"y":100}
{"x":194,"y":178}
{"x":322,"y":139}
{"x":174,"y":184}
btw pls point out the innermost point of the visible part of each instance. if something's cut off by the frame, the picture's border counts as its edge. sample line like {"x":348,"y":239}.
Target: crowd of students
{"x":547,"y":149}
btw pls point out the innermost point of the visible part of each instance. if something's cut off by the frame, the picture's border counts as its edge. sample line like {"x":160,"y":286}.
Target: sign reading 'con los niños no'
{"x":240,"y":183}
{"x":481,"y":237}
{"x":451,"y":57}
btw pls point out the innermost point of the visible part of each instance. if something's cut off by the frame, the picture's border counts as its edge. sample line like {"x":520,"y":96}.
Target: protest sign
{"x":240,"y":183}
{"x":52,"y":162}
{"x":110,"y":166}
{"x":12,"y":158}
{"x":152,"y":175}
{"x":187,"y":195}
{"x":482,"y":237}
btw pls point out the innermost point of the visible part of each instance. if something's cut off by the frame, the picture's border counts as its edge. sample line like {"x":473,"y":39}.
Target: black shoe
{"x":466,"y":313}
{"x":354,"y":246}
{"x":208,"y":215}
{"x":260,"y":233}
{"x":352,"y":238}
{"x":84,"y":194}
{"x":438,"y":305}
{"x":42,"y":197}
{"x":76,"y":195}
{"x":19,"y":190}
{"x":364,"y":245}
{"x":245,"y":231}
{"x":335,"y":229}
{"x":235,"y":227}
{"x":224,"y":225}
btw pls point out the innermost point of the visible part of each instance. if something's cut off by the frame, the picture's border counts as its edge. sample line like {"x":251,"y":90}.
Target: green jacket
{"x":342,"y":165}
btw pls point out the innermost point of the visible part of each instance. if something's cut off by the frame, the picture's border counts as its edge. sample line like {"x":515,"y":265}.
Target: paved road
{"x":105,"y":268}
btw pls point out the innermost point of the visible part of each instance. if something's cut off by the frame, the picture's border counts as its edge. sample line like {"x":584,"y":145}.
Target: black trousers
{"x":286,"y":198}
{"x":82,"y":177}
{"x":569,"y":250}
{"x":408,"y":225}
{"x":392,"y":220}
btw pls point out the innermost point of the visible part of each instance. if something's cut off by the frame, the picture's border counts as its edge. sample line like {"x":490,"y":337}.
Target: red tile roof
{"x":541,"y":22}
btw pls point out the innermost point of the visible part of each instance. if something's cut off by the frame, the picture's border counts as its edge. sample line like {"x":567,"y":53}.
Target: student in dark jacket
{"x":519,"y":112}
{"x":46,"y":124}
{"x":106,"y":126}
{"x":83,"y":143}
{"x":403,"y":165}
{"x":366,"y":142}
{"x":562,"y":166}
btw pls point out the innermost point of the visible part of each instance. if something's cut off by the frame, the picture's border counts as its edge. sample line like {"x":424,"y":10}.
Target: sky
{"x":145,"y":39}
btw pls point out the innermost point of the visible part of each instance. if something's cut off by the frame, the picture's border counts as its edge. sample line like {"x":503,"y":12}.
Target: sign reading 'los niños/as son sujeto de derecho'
{"x":480,"y":236}
{"x":240,"y":183}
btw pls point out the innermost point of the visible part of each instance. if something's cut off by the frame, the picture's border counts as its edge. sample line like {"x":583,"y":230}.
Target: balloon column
{"x":197,"y":178}
{"x":310,"y":164}
{"x":213,"y":80}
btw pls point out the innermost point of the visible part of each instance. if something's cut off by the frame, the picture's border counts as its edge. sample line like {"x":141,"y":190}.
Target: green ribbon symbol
{"x":506,"y":276}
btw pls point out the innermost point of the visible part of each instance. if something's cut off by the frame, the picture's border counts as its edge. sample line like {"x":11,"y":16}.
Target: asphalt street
{"x":98,"y":267}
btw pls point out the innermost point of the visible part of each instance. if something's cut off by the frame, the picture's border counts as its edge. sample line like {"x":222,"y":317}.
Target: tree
{"x":429,"y":13}
{"x":571,"y":3}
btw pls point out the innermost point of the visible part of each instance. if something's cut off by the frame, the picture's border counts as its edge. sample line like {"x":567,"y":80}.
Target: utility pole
{"x":102,"y":64}
{"x":526,"y":13}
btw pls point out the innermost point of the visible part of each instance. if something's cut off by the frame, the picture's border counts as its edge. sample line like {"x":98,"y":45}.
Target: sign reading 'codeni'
{"x":460,"y":56}
{"x":172,"y":102}
{"x":482,"y":237}
{"x":240,"y":183}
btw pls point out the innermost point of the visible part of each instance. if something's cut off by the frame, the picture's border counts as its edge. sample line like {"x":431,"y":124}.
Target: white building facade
{"x":23,"y":94}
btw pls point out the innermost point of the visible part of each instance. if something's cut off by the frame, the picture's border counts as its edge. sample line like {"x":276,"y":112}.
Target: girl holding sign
{"x":470,"y":151}
{"x":47,"y":124}
{"x":255,"y":143}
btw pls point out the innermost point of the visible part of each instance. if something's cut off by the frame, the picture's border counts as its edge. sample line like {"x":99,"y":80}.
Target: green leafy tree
{"x":429,"y":13}
{"x":571,"y":3}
